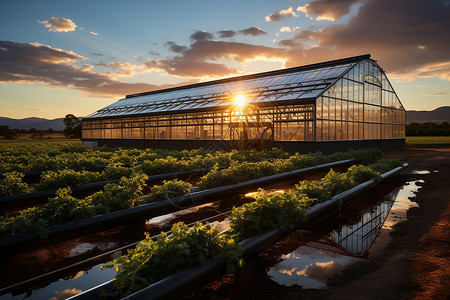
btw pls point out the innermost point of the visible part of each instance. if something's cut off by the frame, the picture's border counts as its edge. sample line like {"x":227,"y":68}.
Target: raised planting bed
{"x":186,"y":281}
{"x":34,"y":198}
{"x":146,"y":211}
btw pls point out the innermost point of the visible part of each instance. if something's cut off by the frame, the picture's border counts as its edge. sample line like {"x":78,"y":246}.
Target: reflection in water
{"x":86,"y":247}
{"x":64,"y":294}
{"x":165,"y":219}
{"x":65,"y":287}
{"x":253,"y":194}
{"x":312,"y":264}
{"x":309,"y":267}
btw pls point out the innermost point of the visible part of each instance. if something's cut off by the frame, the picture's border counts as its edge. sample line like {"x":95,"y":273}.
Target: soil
{"x":415,"y":265}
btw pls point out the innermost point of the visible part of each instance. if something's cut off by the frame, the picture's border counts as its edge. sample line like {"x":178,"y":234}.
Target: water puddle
{"x":66,"y":287}
{"x":420,"y":172}
{"x":165,"y":219}
{"x":86,"y":247}
{"x":312,"y":264}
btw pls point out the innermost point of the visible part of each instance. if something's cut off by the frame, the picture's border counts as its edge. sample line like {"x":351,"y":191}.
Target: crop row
{"x":24,"y":157}
{"x":148,"y":162}
{"x":428,"y":141}
{"x":241,"y":168}
{"x":128,"y":192}
{"x":64,"y":207}
{"x":153,"y":260}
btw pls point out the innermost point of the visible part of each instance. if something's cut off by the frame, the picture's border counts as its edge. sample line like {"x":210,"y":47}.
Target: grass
{"x":428,"y":141}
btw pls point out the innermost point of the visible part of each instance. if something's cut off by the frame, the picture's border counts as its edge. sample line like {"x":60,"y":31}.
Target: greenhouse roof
{"x":298,"y":83}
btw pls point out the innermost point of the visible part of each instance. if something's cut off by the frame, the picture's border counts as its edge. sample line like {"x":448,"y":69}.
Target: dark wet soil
{"x":415,"y":265}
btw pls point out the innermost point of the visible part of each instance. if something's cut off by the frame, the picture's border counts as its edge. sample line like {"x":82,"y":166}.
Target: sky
{"x":74,"y":57}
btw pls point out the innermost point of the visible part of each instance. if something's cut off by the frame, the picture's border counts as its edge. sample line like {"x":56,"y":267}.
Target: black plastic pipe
{"x":180,"y":284}
{"x":150,"y":210}
{"x":22,"y":200}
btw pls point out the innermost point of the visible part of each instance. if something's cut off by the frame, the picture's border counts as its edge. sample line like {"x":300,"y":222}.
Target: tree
{"x":4,"y":130}
{"x":73,"y":126}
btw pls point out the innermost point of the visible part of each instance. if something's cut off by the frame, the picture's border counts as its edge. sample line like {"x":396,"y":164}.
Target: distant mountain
{"x":28,"y":123}
{"x":439,"y":115}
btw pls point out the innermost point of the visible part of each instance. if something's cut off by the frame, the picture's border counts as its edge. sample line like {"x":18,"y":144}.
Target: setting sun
{"x":240,"y":100}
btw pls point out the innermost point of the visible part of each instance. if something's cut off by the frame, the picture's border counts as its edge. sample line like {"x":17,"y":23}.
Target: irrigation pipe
{"x":102,"y":256}
{"x":29,"y":198}
{"x":150,"y":210}
{"x":180,"y":284}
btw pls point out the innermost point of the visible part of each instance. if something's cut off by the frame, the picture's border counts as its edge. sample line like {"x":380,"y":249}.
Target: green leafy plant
{"x":169,"y":189}
{"x":11,"y":184}
{"x":153,"y":260}
{"x":314,"y":190}
{"x":64,"y":207}
{"x":269,"y":211}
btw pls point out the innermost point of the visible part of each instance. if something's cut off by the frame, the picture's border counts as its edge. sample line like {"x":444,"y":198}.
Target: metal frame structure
{"x":290,"y":108}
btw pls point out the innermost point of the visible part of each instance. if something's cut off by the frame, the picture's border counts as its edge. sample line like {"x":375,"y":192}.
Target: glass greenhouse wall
{"x":299,"y":109}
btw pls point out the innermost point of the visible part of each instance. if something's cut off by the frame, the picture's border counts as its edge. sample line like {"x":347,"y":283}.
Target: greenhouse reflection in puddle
{"x":312,"y":264}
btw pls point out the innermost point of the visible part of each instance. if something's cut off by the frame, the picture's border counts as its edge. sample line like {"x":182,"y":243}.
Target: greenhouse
{"x":329,"y":106}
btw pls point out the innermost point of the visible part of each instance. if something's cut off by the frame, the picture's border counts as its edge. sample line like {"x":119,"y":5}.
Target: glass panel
{"x":319,"y":108}
{"x":344,"y":131}
{"x":86,"y":134}
{"x":350,"y":126}
{"x":178,"y":133}
{"x":338,"y":86}
{"x":344,"y":105}
{"x":338,"y":130}
{"x":309,"y":130}
{"x":325,"y":130}
{"x":332,"y":111}
{"x":338,"y":110}
{"x":137,"y":133}
{"x":116,"y":133}
{"x":318,"y":130}
{"x":360,"y":131}
{"x":326,"y":103}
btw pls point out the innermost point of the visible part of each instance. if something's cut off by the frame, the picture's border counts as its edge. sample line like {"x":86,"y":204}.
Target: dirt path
{"x":415,"y":265}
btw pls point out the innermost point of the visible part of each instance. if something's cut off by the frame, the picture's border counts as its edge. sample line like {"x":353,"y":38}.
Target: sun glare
{"x":240,"y":100}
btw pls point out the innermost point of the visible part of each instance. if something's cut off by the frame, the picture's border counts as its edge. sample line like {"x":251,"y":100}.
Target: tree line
{"x":72,"y":130}
{"x":428,"y":129}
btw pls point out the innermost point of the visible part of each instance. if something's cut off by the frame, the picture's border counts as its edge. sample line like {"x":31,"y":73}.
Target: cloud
{"x":254,"y":31}
{"x":437,"y":94}
{"x":197,"y":60}
{"x":281,"y":14}
{"x":321,"y":271}
{"x":121,"y":66}
{"x":226,"y":33}
{"x":59,"y":24}
{"x":64,"y":294}
{"x":175,"y":47}
{"x":179,"y":66}
{"x":37,"y":63}
{"x":201,"y":35}
{"x":327,"y":9}
{"x":392,"y":32}
{"x":285,"y":29}
{"x":93,"y":33}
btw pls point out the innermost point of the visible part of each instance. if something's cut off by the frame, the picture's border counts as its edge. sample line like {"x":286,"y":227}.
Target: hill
{"x":28,"y":123}
{"x":439,"y":115}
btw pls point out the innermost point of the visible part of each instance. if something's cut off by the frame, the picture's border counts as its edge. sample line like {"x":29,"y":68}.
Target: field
{"x":68,"y":166}
{"x":428,"y":141}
